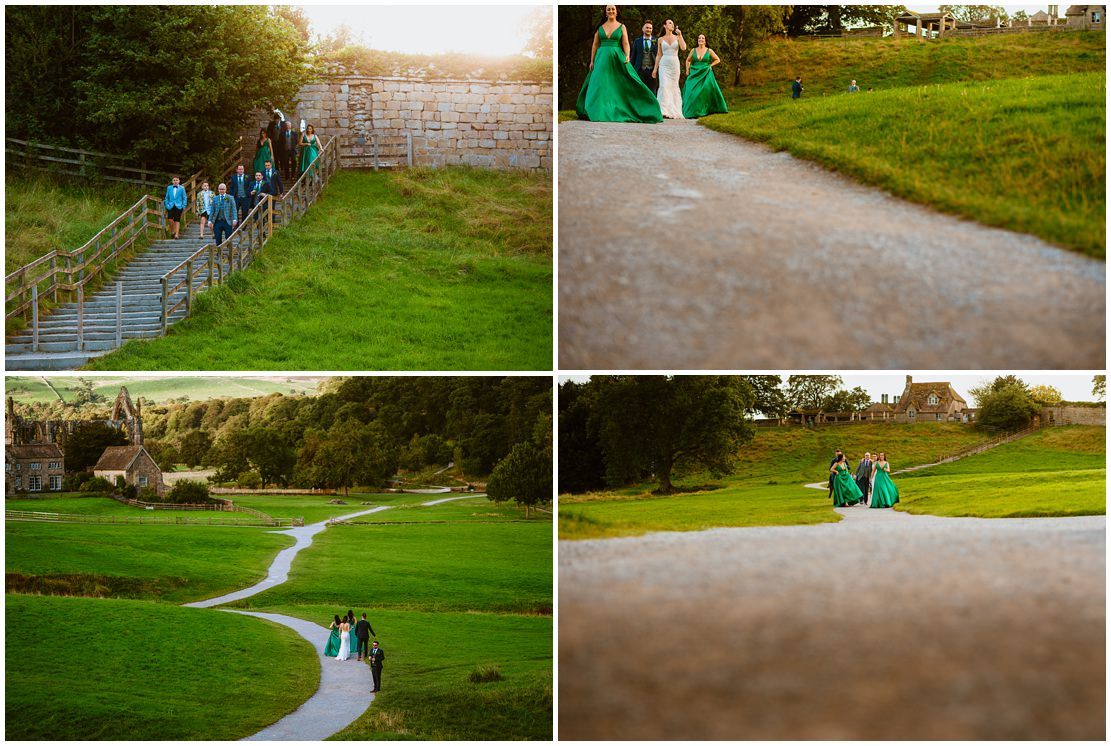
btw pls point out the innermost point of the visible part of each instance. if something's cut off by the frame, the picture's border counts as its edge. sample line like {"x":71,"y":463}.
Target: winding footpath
{"x":884,"y":625}
{"x":685,"y":248}
{"x":344,"y":692}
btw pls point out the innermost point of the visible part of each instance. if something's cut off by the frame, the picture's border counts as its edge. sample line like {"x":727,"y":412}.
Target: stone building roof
{"x":918,"y":394}
{"x":1079,"y":10}
{"x":36,"y":450}
{"x":879,"y":407}
{"x":117,"y":458}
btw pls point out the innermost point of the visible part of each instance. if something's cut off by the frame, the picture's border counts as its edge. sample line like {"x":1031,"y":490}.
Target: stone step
{"x":45,"y":361}
{"x":99,"y":343}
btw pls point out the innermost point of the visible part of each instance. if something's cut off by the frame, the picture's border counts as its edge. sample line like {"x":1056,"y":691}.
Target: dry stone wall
{"x":1066,"y":415}
{"x":502,"y":125}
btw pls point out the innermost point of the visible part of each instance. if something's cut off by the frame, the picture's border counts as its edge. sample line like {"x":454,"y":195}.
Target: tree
{"x":230,"y":454}
{"x":811,"y":392}
{"x":978,"y":14}
{"x":188,"y":492}
{"x":84,"y":392}
{"x":816,"y":19}
{"x":540,"y":33}
{"x":1046,"y":395}
{"x":979,"y":393}
{"x":770,"y":399}
{"x":352,"y":453}
{"x":195,"y":446}
{"x":84,"y":447}
{"x":847,"y":401}
{"x":170,"y":83}
{"x":582,"y":466}
{"x":272,"y":457}
{"x":654,"y":424}
{"x":525,"y":475}
{"x":1099,"y":387}
{"x":1009,"y":407}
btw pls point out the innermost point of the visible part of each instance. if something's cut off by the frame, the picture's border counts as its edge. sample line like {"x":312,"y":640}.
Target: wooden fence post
{"x":34,"y":318}
{"x":165,"y":303}
{"x":80,"y":318}
{"x":189,"y":287}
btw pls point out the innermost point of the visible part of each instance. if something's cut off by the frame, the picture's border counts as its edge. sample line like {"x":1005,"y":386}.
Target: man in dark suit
{"x":273,"y":179}
{"x":643,"y":56}
{"x":287,"y":150}
{"x":239,"y":187}
{"x":863,"y":476}
{"x":363,"y":631}
{"x":259,"y":189}
{"x":836,"y":455}
{"x":376,"y":656}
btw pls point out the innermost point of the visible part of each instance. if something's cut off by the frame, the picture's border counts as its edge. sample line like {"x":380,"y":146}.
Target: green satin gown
{"x":309,"y":152}
{"x":884,"y":492}
{"x":332,"y":648}
{"x":262,"y":155}
{"x":612,"y":91}
{"x":701,"y":95}
{"x":845,"y":491}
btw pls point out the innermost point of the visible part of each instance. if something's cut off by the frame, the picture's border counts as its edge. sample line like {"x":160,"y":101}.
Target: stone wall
{"x":1066,"y":415}
{"x":451,"y":122}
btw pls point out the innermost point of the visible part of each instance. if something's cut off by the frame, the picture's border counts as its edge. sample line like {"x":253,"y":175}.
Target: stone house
{"x":931,"y":402}
{"x":134,"y":464}
{"x":879,"y":411}
{"x":1086,"y":17}
{"x":33,"y":468}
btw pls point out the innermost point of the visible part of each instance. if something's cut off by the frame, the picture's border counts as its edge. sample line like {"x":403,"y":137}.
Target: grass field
{"x":42,"y":214}
{"x":29,"y":390}
{"x":1023,"y":154}
{"x":175,"y":564}
{"x":1053,"y":472}
{"x":767,"y":486}
{"x":415,"y":270}
{"x":107,"y":669}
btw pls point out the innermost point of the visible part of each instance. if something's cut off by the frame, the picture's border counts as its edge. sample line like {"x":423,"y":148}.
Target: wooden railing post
{"x":34,"y":318}
{"x":119,"y":314}
{"x":80,"y":318}
{"x":189,"y":287}
{"x":165,"y":303}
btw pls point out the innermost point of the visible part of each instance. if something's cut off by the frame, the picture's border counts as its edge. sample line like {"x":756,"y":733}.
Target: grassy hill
{"x":446,"y":269}
{"x":27,"y":390}
{"x":767,"y":488}
{"x":42,"y":214}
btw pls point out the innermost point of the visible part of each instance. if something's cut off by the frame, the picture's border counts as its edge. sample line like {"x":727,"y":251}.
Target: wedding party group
{"x":870,"y":485}
{"x":637,"y":80}
{"x":339,"y":644}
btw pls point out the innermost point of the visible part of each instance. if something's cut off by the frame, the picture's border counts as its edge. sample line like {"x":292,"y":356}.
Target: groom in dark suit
{"x":363,"y":631}
{"x":376,"y":656}
{"x":863,"y":476}
{"x":643,"y":57}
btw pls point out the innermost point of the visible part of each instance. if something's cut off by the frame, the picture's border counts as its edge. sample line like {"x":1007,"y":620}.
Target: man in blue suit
{"x":273,"y":180}
{"x":643,"y":56}
{"x":175,"y":204}
{"x":239,"y":187}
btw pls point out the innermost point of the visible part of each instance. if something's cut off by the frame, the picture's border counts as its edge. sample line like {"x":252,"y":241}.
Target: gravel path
{"x":344,"y":691}
{"x":882,"y":626}
{"x":685,"y":248}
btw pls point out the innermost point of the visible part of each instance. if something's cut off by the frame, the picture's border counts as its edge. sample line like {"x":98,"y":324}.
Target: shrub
{"x":188,"y":491}
{"x":129,"y":491}
{"x":76,"y":481}
{"x":149,"y":495}
{"x":249,"y":480}
{"x":97,"y":484}
{"x":485,"y":674}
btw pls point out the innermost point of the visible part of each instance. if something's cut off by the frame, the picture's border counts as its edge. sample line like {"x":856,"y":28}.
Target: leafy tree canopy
{"x":84,"y":447}
{"x":1046,"y":395}
{"x":165,"y":84}
{"x":1009,"y":407}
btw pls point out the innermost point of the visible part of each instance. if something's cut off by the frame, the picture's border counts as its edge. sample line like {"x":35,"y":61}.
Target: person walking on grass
{"x":363,"y":633}
{"x":224,"y":215}
{"x":175,"y":204}
{"x":796,"y":87}
{"x":376,"y":656}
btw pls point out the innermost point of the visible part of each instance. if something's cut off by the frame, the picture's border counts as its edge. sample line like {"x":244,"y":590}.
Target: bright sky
{"x":1011,"y":9}
{"x":1073,"y":386}
{"x":429,"y":29}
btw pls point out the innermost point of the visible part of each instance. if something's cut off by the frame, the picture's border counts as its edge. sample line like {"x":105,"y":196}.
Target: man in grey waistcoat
{"x":643,"y":56}
{"x":863,"y":476}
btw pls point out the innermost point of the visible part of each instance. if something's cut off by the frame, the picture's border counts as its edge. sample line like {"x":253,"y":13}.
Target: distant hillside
{"x":28,"y":390}
{"x":827,"y":66}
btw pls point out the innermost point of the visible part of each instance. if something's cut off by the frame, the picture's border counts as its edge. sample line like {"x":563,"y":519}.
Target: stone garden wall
{"x":451,"y":122}
{"x":1066,"y":415}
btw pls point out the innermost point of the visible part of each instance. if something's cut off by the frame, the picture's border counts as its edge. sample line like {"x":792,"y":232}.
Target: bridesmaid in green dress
{"x":701,"y":95}
{"x":845,"y":491}
{"x":264,"y":152}
{"x":332,"y":648}
{"x":884,"y":492}
{"x":612,"y":91}
{"x":310,"y":147}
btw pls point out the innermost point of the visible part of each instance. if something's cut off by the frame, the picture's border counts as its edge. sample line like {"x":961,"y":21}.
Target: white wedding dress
{"x":671,"y":100}
{"x":344,"y":645}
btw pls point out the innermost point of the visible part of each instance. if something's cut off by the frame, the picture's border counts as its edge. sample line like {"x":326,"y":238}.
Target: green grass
{"x":475,"y":509}
{"x":28,"y":390}
{"x":100,"y":669}
{"x":175,"y":564}
{"x":495,"y":567}
{"x":767,"y":486}
{"x":446,"y":269}
{"x":42,"y":214}
{"x":78,"y":503}
{"x":1050,"y":473}
{"x":1027,"y":155}
{"x":315,"y":508}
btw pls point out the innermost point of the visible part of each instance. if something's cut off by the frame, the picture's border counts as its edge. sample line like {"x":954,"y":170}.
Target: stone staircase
{"x":140,"y":317}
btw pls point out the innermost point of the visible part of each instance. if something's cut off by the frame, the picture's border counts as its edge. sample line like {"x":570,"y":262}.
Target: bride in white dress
{"x":667,"y":67}
{"x":344,"y":641}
